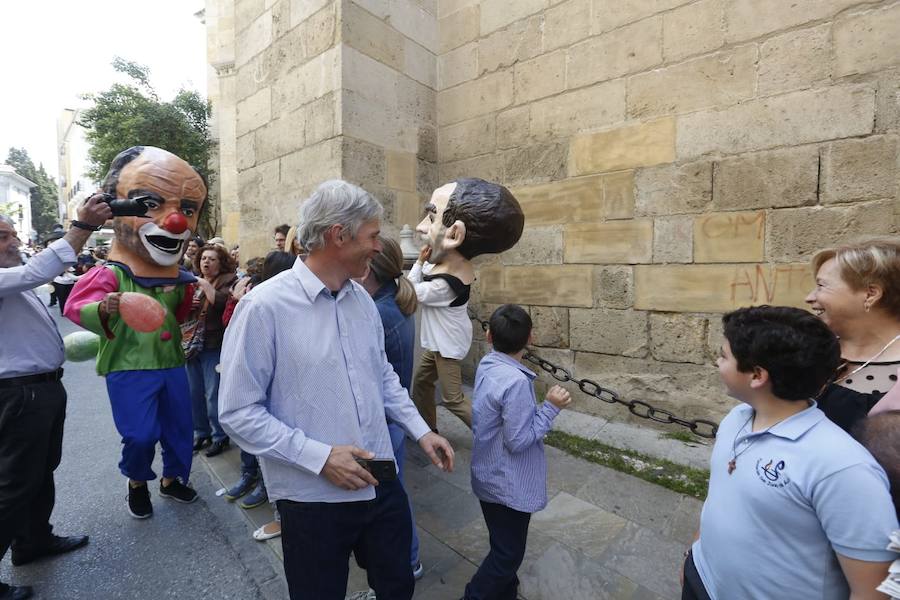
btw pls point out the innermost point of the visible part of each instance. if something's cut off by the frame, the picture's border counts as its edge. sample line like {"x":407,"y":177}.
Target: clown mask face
{"x":174,"y":195}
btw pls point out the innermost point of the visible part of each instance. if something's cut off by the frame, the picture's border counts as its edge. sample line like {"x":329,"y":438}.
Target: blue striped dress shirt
{"x":302,"y":371}
{"x":32,"y":343}
{"x":508,"y":464}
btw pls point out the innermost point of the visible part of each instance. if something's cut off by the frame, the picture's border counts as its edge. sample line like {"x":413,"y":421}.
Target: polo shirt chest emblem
{"x":772,"y":472}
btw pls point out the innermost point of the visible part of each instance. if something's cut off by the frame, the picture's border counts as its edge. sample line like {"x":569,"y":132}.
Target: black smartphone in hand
{"x":382,"y":469}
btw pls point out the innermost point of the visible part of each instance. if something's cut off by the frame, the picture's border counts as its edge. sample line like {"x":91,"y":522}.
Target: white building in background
{"x":15,"y":200}
{"x":72,"y":151}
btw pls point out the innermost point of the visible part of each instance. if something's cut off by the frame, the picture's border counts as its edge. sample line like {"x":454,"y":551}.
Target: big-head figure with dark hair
{"x":463,"y":219}
{"x":144,"y":371}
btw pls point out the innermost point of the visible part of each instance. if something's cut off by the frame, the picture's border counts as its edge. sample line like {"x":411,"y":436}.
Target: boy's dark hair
{"x":283,"y":229}
{"x":797,"y":349}
{"x":880,"y":434}
{"x":276,"y":262}
{"x":510,"y":327}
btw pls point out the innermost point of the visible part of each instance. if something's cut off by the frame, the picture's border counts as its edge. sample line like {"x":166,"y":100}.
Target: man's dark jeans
{"x":496,"y":577}
{"x":318,"y":537}
{"x":31,"y":434}
{"x":693,"y":588}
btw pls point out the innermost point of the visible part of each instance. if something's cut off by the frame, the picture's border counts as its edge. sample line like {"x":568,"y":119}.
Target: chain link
{"x":700,"y":427}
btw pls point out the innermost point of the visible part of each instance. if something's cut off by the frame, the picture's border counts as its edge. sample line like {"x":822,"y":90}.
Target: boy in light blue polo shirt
{"x":796,"y":508}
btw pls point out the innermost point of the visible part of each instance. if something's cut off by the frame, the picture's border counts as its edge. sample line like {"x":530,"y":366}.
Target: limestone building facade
{"x":675,"y":158}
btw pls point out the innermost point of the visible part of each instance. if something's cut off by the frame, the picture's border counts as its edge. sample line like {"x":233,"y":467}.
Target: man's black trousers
{"x":31,"y":434}
{"x":318,"y":537}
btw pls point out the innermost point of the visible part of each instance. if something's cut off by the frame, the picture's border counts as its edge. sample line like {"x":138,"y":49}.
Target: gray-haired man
{"x":306,"y":385}
{"x":32,"y":397}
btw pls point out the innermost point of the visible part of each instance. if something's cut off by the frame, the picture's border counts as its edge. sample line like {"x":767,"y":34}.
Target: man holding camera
{"x":32,"y":397}
{"x":156,"y":198}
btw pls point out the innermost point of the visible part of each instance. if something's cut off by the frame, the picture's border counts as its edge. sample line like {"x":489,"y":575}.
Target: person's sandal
{"x":261,"y":534}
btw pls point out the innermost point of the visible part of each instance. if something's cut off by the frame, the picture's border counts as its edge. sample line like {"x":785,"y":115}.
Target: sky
{"x":52,"y":51}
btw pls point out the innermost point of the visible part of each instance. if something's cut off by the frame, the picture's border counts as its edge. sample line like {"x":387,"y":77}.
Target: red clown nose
{"x":175,"y":223}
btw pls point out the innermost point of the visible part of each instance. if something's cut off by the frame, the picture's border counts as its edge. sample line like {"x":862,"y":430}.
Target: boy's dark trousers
{"x":693,"y":588}
{"x":496,"y":577}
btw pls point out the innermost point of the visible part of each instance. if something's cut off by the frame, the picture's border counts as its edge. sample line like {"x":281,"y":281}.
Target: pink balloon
{"x":141,"y":312}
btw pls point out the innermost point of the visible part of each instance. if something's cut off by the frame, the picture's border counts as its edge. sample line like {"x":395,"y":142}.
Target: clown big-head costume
{"x":174,"y":194}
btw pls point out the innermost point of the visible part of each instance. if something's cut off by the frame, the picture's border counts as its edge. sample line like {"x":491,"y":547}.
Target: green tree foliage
{"x":131,"y":114}
{"x":44,"y":197}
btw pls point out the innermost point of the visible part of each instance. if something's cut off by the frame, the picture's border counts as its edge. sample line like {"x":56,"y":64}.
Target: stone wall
{"x":675,"y":159}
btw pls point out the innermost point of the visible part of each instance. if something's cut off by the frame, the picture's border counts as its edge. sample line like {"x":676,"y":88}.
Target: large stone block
{"x":770,"y":179}
{"x":796,"y":233}
{"x":407,"y":209}
{"x":867,"y":41}
{"x":561,"y":116}
{"x":254,"y":112}
{"x":571,"y":201}
{"x":281,"y":136}
{"x":672,"y":239}
{"x":315,"y":78}
{"x":673,"y":189}
{"x":550,"y":326}
{"x":540,"y":77}
{"x":459,"y":28}
{"x":721,"y":79}
{"x":467,"y":139}
{"x":499,"y":13}
{"x":860,"y":169}
{"x":745,"y":19}
{"x":538,"y":246}
{"x":457,"y":66}
{"x":539,"y":162}
{"x":321,"y":120}
{"x":475,"y":98}
{"x":545,"y":285}
{"x":258,"y":185}
{"x":794,"y":60}
{"x":567,"y":23}
{"x":246,"y":151}
{"x":415,"y":22}
{"x":638,"y":145}
{"x":631,"y":49}
{"x":730,"y":237}
{"x":372,"y":121}
{"x":489,"y":166}
{"x":448,"y":7}
{"x":401,"y":170}
{"x":618,"y":195}
{"x":691,"y":391}
{"x":426,"y":177}
{"x":373,"y":37}
{"x":788,"y":120}
{"x":503,"y":48}
{"x":611,"y":242}
{"x":887,"y":101}
{"x":363,"y":163}
{"x":693,"y":29}
{"x":678,"y":338}
{"x":614,"y":286}
{"x":609,"y":331}
{"x":610,"y":14}
{"x":419,"y":63}
{"x":253,"y":39}
{"x":513,"y":127}
{"x":301,"y":10}
{"x":302,"y":171}
{"x":416,"y":101}
{"x":719,"y":288}
{"x":246,"y":11}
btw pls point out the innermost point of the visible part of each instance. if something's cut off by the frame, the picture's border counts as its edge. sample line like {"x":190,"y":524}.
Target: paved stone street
{"x":603,"y":535}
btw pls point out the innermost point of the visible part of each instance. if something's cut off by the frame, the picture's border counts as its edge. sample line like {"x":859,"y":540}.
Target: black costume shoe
{"x":139,"y":505}
{"x":201,"y":443}
{"x":178,"y":491}
{"x":15,"y":592}
{"x":218,"y":447}
{"x":22,"y":555}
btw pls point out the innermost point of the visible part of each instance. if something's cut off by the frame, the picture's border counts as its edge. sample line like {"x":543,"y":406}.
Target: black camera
{"x":125,"y":207}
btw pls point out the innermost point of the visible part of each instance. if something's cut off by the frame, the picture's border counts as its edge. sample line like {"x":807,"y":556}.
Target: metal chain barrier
{"x":700,"y":427}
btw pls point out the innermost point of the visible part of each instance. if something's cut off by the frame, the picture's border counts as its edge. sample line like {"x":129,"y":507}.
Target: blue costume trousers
{"x":149,"y":407}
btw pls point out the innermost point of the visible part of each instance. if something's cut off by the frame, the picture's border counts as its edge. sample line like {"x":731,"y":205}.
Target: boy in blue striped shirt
{"x":509,"y":472}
